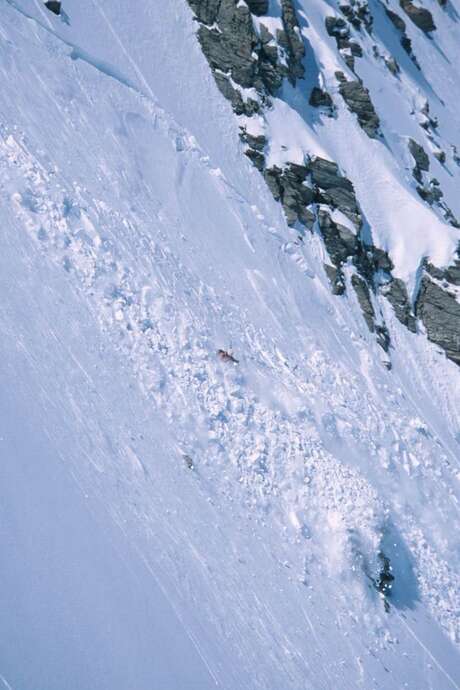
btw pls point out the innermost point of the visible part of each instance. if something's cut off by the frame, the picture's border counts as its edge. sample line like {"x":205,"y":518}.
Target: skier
{"x":226,"y":356}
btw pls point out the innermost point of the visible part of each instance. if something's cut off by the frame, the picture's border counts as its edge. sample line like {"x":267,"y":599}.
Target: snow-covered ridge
{"x":262,"y":494}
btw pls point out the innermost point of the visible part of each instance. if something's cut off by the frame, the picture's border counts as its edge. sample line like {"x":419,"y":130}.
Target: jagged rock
{"x":335,"y":276}
{"x":230,"y":48}
{"x":205,"y":10}
{"x":256,"y":157}
{"x":241,"y":107}
{"x":357,"y":98}
{"x":340,"y":242}
{"x":326,"y":174}
{"x":319,"y":98}
{"x":397,"y":21}
{"x":257,"y":142}
{"x":451,"y":274}
{"x":338,"y":191}
{"x":396,"y":293}
{"x":440,"y":314}
{"x":291,"y":40}
{"x":258,"y":7}
{"x":400,"y":26}
{"x":421,"y":17}
{"x":431,"y":192}
{"x":381,"y":259}
{"x":422,"y":162}
{"x":271,"y":71}
{"x":54,"y":6}
{"x":364,"y":299}
{"x":356,"y":49}
{"x":339,"y":29}
{"x":440,"y":156}
{"x":288,"y":186}
{"x":357,"y":13}
{"x":419,"y":155}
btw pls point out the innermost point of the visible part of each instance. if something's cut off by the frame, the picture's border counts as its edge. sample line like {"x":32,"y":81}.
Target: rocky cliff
{"x":261,"y":55}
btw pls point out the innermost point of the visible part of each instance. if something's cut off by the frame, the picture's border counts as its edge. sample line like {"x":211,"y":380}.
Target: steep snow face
{"x":250,"y":505}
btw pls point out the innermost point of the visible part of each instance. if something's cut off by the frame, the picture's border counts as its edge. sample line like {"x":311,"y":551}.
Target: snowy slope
{"x":137,"y":241}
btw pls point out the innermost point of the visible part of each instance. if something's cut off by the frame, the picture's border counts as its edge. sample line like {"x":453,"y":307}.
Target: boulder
{"x":421,"y":17}
{"x":319,"y":98}
{"x":54,"y":6}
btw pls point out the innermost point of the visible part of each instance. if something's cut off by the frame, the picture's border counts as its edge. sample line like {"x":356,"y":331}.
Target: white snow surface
{"x":137,"y":240}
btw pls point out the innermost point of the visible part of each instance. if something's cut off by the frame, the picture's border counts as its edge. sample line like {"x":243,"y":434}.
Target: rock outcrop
{"x":422,"y":162}
{"x":290,"y":186}
{"x":439,"y":311}
{"x":357,"y":98}
{"x":54,"y":6}
{"x":250,"y":62}
{"x":400,"y":26}
{"x":421,"y":17}
{"x":396,"y":293}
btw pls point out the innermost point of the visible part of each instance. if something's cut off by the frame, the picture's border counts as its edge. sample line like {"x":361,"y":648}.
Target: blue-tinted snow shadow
{"x":390,"y":37}
{"x":405,"y":592}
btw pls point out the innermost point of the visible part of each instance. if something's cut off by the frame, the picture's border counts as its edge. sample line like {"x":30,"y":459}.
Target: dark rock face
{"x":337,"y":191}
{"x":234,"y":49}
{"x":340,"y":241}
{"x":291,"y":40}
{"x":335,"y":276}
{"x":205,"y":10}
{"x":400,"y":26}
{"x":241,"y":107}
{"x":396,"y":293}
{"x":54,"y":6}
{"x":340,"y":30}
{"x":440,"y":314}
{"x":289,"y":187}
{"x":230,"y":48}
{"x":357,"y":14}
{"x":319,"y":98}
{"x":422,"y":162}
{"x":451,"y":274}
{"x":357,"y":98}
{"x":419,"y":155}
{"x":364,"y":298}
{"x":258,"y":7}
{"x":421,"y":17}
